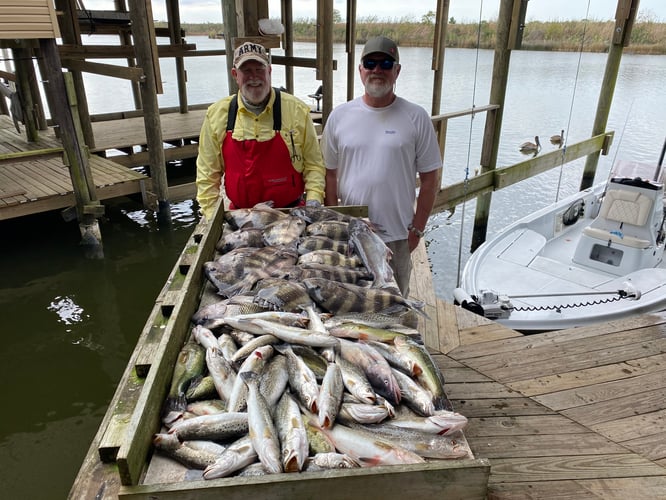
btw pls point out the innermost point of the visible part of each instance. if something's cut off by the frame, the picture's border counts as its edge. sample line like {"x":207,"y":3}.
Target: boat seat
{"x":622,"y":212}
{"x":616,"y":237}
{"x":628,"y":207}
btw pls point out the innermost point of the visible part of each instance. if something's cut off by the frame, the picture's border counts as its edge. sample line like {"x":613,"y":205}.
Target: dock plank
{"x":606,"y":489}
{"x":581,"y":396}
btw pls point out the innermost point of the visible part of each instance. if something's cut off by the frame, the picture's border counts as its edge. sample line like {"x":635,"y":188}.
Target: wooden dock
{"x":578,"y":413}
{"x":572,"y":414}
{"x":34,"y":177}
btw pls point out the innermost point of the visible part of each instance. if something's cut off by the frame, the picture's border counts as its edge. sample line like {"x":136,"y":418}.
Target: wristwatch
{"x":417,"y":232}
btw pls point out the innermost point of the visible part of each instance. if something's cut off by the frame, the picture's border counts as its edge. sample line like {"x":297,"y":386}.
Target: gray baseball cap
{"x":382,"y":45}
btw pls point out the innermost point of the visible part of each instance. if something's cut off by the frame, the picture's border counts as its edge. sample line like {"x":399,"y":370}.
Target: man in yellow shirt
{"x":262,"y":141}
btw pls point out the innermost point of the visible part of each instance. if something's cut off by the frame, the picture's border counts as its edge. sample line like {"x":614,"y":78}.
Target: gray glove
{"x":312,"y":203}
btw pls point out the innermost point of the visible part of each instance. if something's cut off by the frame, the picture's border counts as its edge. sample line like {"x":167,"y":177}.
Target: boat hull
{"x":533,"y":266}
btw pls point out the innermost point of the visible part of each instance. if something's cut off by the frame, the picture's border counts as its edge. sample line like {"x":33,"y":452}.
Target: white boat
{"x":595,"y":256}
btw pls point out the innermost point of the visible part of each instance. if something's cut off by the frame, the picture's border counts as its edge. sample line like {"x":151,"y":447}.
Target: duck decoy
{"x":531,"y":147}
{"x":557,"y":139}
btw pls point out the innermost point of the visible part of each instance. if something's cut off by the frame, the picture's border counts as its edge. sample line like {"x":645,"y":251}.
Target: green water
{"x":69,"y":325}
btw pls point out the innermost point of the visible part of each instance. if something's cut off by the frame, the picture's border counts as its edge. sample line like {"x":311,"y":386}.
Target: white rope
{"x":469,"y":147}
{"x":573,"y":98}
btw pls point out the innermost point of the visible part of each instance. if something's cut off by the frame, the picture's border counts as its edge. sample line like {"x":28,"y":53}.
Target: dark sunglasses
{"x":372,"y":63}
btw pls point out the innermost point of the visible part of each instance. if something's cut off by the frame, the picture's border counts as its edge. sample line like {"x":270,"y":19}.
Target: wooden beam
{"x":454,"y":194}
{"x":126,"y":73}
{"x":68,"y":51}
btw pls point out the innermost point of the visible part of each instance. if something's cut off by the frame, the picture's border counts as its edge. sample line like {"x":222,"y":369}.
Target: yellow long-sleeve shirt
{"x":296,"y":124}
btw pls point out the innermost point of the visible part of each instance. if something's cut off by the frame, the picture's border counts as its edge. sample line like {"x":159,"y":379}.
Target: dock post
{"x":88,"y":207}
{"x":144,"y":43}
{"x":511,"y":16}
{"x":625,"y":15}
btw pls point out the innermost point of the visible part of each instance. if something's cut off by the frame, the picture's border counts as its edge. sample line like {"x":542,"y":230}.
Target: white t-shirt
{"x":378,"y":153}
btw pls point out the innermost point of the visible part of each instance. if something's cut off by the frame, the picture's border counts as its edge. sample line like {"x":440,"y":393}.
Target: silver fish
{"x":430,"y":377}
{"x":330,"y":396}
{"x":374,"y":253}
{"x":368,"y":449}
{"x":421,"y":443}
{"x":355,"y":381}
{"x":253,"y":363}
{"x":301,"y":378}
{"x":262,"y":430}
{"x":331,"y":460}
{"x":217,"y":427}
{"x":292,"y":434}
{"x":362,"y":332}
{"x":375,"y":367}
{"x":204,"y":337}
{"x":238,"y":454}
{"x":414,"y":396}
{"x":221,"y":371}
{"x":362,"y":413}
{"x":248,"y":348}
{"x":443,"y":422}
{"x":190,"y":456}
{"x":274,"y":380}
{"x":294,"y":334}
{"x":210,"y":316}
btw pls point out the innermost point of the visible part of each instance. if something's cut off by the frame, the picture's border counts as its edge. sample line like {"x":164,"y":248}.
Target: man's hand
{"x":313,"y":203}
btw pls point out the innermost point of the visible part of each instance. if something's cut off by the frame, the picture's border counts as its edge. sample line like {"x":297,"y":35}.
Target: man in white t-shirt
{"x":374,"y":147}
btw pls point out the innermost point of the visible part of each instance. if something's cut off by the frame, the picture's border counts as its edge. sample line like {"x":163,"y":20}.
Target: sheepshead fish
{"x":337,"y":230}
{"x":310,"y":243}
{"x":329,"y":258}
{"x":335,"y":273}
{"x":260,"y":215}
{"x":318,"y":214}
{"x":274,"y":262}
{"x":341,"y":298}
{"x":240,"y":238}
{"x":281,"y":295}
{"x":212,"y":315}
{"x":284,"y":232}
{"x":374,"y":253}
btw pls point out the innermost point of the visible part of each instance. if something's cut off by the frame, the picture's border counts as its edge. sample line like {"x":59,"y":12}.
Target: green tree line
{"x":647,"y":36}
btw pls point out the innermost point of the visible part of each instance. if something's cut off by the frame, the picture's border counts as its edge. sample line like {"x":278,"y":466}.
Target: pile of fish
{"x":304,"y":359}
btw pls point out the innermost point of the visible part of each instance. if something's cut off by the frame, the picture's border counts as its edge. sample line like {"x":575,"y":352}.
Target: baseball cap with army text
{"x":249,"y":51}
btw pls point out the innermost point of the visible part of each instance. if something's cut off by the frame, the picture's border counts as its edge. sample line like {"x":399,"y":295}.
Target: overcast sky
{"x":201,"y":11}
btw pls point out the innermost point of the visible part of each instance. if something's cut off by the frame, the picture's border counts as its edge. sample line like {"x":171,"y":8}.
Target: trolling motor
{"x":488,"y":304}
{"x":494,"y":306}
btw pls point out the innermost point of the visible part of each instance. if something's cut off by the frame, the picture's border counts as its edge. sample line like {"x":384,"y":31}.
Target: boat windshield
{"x":645,"y":172}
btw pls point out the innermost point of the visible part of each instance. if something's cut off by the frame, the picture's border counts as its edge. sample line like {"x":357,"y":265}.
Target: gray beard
{"x":378,"y":90}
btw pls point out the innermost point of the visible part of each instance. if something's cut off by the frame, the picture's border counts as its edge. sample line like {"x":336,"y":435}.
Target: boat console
{"x":627,"y":233}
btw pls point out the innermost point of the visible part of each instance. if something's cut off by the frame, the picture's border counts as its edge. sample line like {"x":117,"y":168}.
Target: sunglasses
{"x":372,"y":63}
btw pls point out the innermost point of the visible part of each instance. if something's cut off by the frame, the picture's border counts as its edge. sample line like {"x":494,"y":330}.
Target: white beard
{"x":377,"y":88}
{"x":256,"y":94}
